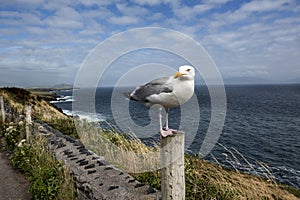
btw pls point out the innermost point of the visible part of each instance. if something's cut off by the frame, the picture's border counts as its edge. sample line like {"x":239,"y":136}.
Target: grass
{"x":210,"y":181}
{"x":203,"y":180}
{"x":49,"y":178}
{"x":18,"y":98}
{"x":46,"y":95}
{"x":122,"y":150}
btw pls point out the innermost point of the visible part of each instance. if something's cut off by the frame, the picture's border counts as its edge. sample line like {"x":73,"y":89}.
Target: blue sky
{"x":44,"y":42}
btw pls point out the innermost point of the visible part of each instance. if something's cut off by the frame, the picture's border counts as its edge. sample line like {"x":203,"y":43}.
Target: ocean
{"x":261,"y":133}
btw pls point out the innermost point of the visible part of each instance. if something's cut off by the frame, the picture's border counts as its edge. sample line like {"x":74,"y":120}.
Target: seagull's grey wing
{"x":159,"y":81}
{"x":156,"y":86}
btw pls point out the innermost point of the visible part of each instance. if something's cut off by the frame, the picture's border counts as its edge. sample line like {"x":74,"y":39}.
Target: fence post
{"x":28,"y":122}
{"x":172,"y":167}
{"x":2,"y":109}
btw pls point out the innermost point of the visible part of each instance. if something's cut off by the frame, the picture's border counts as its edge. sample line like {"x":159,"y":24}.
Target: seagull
{"x":168,"y":92}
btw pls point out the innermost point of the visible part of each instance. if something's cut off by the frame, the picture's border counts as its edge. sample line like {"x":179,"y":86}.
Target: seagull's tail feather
{"x":128,"y":96}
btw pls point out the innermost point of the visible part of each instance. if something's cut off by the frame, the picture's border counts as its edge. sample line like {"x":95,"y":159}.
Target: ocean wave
{"x":90,"y":117}
{"x":63,"y":99}
{"x":287,"y":175}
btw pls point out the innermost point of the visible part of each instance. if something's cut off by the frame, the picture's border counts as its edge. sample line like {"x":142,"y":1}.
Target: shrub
{"x":66,"y":126}
{"x":48,"y":177}
{"x":150,"y":178}
{"x":13,"y":133}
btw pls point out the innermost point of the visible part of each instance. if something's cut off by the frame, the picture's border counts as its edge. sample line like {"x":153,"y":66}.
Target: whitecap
{"x":63,"y":99}
{"x":90,"y":117}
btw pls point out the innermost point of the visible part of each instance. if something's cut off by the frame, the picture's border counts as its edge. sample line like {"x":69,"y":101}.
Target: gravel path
{"x":13,"y":184}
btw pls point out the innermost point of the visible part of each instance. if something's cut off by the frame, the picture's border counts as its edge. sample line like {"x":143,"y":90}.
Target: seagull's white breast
{"x":183,"y":90}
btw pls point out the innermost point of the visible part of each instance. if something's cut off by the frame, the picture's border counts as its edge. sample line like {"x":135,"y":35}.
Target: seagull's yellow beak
{"x":177,"y":74}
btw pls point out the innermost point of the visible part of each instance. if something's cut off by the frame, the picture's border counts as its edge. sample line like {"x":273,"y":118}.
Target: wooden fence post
{"x":2,"y":109}
{"x":28,"y":122}
{"x":172,"y":167}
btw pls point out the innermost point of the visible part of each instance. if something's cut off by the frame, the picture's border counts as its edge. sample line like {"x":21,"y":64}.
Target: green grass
{"x":49,"y":178}
{"x":64,"y":125}
{"x":203,"y":180}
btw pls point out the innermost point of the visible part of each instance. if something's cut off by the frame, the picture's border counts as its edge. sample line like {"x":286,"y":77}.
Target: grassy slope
{"x":203,"y":180}
{"x":44,"y":94}
{"x":17,"y":98}
{"x":240,"y":185}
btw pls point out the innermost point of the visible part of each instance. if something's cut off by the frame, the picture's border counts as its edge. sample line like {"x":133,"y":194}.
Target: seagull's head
{"x":185,"y":72}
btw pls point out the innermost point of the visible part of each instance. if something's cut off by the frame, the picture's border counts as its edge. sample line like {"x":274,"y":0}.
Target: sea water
{"x":261,"y":134}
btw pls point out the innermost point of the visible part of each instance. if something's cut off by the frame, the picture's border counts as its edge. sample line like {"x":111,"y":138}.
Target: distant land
{"x":54,"y":87}
{"x":48,"y":92}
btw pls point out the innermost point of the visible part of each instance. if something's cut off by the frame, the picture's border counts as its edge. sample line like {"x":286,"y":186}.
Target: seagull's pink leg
{"x":164,"y":133}
{"x":167,"y":122}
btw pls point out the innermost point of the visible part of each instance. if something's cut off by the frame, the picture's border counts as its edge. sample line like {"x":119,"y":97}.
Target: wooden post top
{"x":172,"y":167}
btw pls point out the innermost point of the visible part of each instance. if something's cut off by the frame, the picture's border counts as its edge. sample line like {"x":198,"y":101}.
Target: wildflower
{"x":21,"y":143}
{"x":9,"y":128}
{"x":21,"y":123}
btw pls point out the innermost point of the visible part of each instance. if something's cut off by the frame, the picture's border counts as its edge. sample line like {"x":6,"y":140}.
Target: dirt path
{"x":13,"y":184}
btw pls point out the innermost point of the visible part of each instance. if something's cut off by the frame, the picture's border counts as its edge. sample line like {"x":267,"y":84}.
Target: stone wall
{"x":94,"y":178}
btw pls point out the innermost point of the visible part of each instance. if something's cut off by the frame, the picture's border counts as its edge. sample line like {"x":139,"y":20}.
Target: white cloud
{"x":271,"y":42}
{"x":100,"y":14}
{"x":254,"y":71}
{"x":265,"y":5}
{"x":217,"y":1}
{"x":156,"y":17}
{"x":39,"y":66}
{"x":247,"y":12}
{"x":148,"y":2}
{"x":187,"y":13}
{"x":36,"y":30}
{"x":97,"y":2}
{"x":132,"y":10}
{"x":124,"y":20}
{"x":21,"y":4}
{"x":56,"y":35}
{"x":65,"y":17}
{"x":13,"y":18}
{"x":92,"y":28}
{"x":54,"y":5}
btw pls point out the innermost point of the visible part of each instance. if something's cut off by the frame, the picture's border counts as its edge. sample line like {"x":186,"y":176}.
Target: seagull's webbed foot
{"x":166,"y":133}
{"x":172,"y":130}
